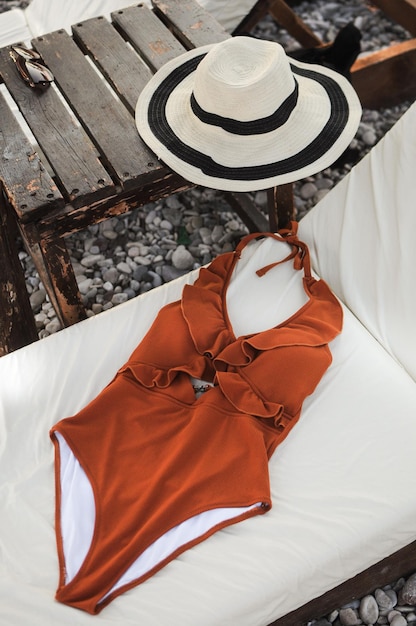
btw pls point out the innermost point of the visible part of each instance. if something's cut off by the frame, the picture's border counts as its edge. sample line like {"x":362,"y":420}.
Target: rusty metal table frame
{"x":91,"y":163}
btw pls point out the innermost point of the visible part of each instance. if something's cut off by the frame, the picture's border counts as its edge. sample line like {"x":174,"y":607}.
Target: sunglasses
{"x":31,"y":67}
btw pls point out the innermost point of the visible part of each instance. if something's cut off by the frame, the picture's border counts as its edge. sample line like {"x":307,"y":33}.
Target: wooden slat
{"x":27,"y":185}
{"x":108,"y":123}
{"x":387,"y":77}
{"x":284,"y":16}
{"x":61,"y":222}
{"x":147,"y":35}
{"x":71,"y":154}
{"x":246,"y":209}
{"x":257,"y":13}
{"x":401,"y":11}
{"x":294,"y":25}
{"x":190,"y":22}
{"x":121,"y":66}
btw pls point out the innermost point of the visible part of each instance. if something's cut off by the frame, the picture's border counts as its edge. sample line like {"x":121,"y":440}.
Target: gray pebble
{"x":369,"y":610}
{"x":107,"y":286}
{"x":133,"y":251}
{"x":140,"y":272}
{"x":370,"y":138}
{"x":130,"y":293}
{"x":408,"y":592}
{"x":150,"y":217}
{"x":308,"y":190}
{"x":234,"y":225}
{"x":84,"y":285}
{"x":182,"y":259}
{"x":91,"y":293}
{"x":383,"y":600}
{"x":206,"y":235}
{"x":324,"y":183}
{"x":40,"y":320}
{"x":142,"y":260}
{"x":91,"y":259}
{"x":398,"y":620}
{"x":217,"y":233}
{"x":33,"y":281}
{"x":110,"y":275}
{"x":124,"y":267}
{"x":321,"y":193}
{"x":135,"y":285}
{"x":156,"y":279}
{"x":119,"y":298}
{"x":37,"y":298}
{"x":53,"y":326}
{"x":170,"y":273}
{"x":348,"y":617}
{"x":392,"y":614}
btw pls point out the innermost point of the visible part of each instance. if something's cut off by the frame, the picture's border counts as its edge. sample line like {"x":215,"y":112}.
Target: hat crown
{"x":244,"y":79}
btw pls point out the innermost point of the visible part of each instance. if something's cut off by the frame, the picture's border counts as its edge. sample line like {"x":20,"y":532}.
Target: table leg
{"x":55,"y":270}
{"x":281,"y":206}
{"x":17,"y":324}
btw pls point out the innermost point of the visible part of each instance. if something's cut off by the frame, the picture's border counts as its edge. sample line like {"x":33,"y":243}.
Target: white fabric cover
{"x":371,"y":237}
{"x":14,"y":27}
{"x":342,"y":483}
{"x":341,"y":492}
{"x":43,"y":16}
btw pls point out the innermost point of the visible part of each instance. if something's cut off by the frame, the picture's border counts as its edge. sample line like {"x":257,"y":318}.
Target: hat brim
{"x":317,"y":132}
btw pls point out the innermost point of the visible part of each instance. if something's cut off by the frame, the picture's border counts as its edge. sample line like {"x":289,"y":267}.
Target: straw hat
{"x":240,"y":115}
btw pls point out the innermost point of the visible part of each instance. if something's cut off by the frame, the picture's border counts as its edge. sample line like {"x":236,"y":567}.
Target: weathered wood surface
{"x":70,"y":153}
{"x":17,"y":324}
{"x":387,"y":77}
{"x":281,"y":206}
{"x":401,"y":11}
{"x":146,"y":33}
{"x":295,"y":26}
{"x":192,"y":25}
{"x":122,"y":67}
{"x":27,"y":184}
{"x":109,"y":124}
{"x":62,"y":222}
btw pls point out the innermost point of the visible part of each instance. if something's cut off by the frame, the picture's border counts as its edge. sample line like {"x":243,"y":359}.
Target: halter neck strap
{"x":299,"y":252}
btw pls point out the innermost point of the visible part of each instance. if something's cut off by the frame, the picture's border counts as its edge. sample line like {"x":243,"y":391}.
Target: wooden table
{"x":92,"y":164}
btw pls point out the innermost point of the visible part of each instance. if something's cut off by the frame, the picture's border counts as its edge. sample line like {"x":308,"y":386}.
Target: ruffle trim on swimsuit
{"x":242,"y":396}
{"x":316,"y":323}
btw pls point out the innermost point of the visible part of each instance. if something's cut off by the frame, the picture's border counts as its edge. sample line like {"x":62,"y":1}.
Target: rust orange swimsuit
{"x":148,"y":469}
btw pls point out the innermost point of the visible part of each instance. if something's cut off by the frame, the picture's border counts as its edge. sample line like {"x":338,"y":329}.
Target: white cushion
{"x":45,"y":16}
{"x":362,"y":240}
{"x":14,"y":27}
{"x":340,"y":491}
